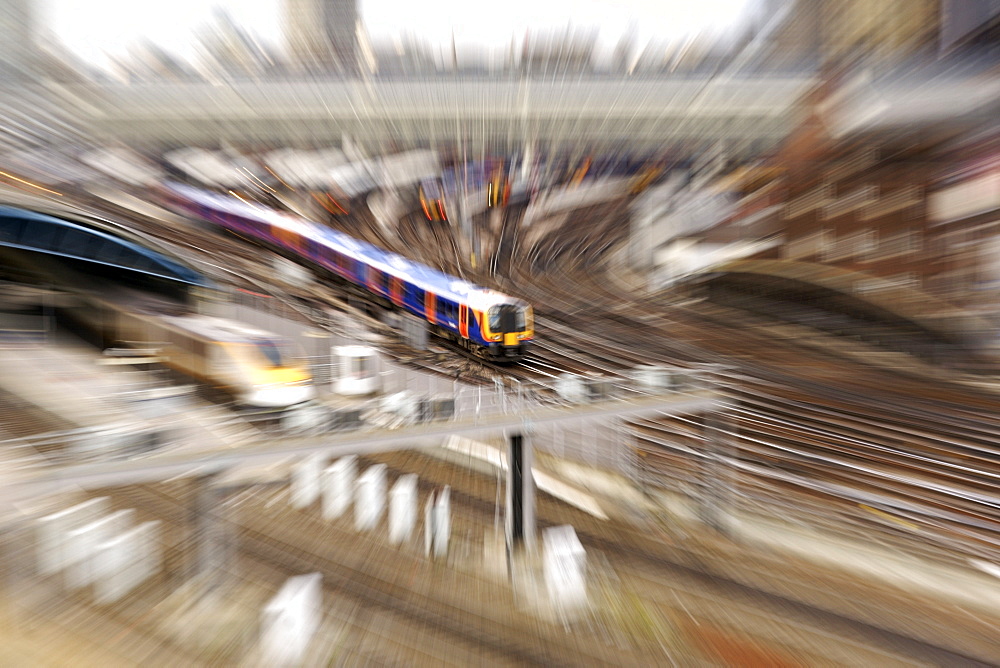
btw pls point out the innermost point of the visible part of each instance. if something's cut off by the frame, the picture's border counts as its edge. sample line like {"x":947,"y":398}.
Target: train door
{"x":430,"y":307}
{"x":463,"y":320}
{"x":397,"y":291}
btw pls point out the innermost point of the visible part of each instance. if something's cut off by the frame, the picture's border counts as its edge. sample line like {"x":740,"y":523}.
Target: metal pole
{"x":714,"y":492}
{"x":520,"y":493}
{"x":496,"y":507}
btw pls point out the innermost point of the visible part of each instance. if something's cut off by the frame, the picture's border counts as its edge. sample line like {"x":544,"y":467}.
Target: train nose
{"x":510,"y":339}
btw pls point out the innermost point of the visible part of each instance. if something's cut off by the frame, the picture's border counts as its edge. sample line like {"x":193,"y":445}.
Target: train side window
{"x":127,"y":257}
{"x":108,"y":252}
{"x":77,"y":242}
{"x":418,"y":295}
{"x":42,"y":235}
{"x":10,"y":229}
{"x":144,"y":263}
{"x":386,"y":279}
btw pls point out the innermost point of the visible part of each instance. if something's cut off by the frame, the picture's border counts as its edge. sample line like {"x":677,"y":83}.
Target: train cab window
{"x":361,"y":367}
{"x":270,"y":350}
{"x":10,"y":229}
{"x":506,"y":318}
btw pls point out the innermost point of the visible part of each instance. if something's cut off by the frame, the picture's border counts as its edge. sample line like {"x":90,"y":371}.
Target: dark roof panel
{"x":35,"y":231}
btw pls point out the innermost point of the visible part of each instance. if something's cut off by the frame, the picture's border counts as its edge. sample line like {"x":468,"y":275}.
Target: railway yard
{"x":838,"y":508}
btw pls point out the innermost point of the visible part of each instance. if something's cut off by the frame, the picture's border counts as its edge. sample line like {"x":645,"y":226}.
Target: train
{"x":255,"y":368}
{"x":641,"y":172}
{"x":432,"y":200}
{"x":497,"y":191}
{"x":644,"y":179}
{"x":485,"y":322}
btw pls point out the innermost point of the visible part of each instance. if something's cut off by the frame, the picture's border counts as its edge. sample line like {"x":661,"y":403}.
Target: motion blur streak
{"x":303,"y":302}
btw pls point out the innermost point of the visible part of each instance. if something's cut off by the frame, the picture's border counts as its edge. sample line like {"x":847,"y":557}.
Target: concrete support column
{"x":715,"y":504}
{"x":520,"y":494}
{"x":211,"y":532}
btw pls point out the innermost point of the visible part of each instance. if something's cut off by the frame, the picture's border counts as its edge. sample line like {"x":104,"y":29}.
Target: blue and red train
{"x":487,"y":322}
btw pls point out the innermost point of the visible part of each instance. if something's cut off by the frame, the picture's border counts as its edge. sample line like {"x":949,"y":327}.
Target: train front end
{"x":509,"y":331}
{"x":270,"y":372}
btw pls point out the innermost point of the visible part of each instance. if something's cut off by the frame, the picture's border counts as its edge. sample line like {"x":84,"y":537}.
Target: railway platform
{"x":859,"y":586}
{"x":662,"y":587}
{"x":68,"y":385}
{"x":607,"y":495}
{"x":388,"y":604}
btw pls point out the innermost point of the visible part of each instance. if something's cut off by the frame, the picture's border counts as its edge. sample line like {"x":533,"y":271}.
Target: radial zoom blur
{"x":342,"y":333}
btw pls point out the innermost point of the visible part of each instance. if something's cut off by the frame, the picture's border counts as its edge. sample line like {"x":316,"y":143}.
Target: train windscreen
{"x":507,"y":318}
{"x":276,"y":352}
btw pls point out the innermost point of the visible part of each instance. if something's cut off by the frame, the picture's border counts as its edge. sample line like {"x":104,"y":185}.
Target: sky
{"x":93,"y":28}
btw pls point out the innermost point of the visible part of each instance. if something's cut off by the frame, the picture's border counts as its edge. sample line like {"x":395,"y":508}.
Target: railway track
{"x":759,"y":586}
{"x":292,"y":542}
{"x":814,"y":434}
{"x":289,"y":542}
{"x":600,"y":329}
{"x":930,"y":447}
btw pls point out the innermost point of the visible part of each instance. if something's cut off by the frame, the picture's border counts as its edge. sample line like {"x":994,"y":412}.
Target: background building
{"x":322,"y":35}
{"x":17,"y":35}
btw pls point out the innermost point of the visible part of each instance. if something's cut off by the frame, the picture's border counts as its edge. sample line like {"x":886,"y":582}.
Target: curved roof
{"x":918,"y":307}
{"x":41,"y":233}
